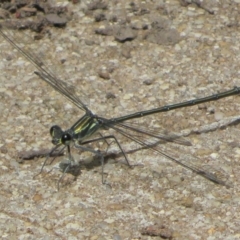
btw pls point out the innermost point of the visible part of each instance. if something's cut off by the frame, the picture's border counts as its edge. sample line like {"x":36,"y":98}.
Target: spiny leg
{"x":119,"y":145}
{"x":71,"y":163}
{"x":47,"y":157}
{"x":98,"y":153}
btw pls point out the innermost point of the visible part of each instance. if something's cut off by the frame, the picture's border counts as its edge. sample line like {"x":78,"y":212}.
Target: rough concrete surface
{"x":123,"y":57}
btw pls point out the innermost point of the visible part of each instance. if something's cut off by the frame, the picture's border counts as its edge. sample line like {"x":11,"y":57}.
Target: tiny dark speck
{"x":110,"y":95}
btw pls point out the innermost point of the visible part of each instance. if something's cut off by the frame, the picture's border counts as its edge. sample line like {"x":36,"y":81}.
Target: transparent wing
{"x":147,"y":139}
{"x":157,"y":133}
{"x":16,"y":40}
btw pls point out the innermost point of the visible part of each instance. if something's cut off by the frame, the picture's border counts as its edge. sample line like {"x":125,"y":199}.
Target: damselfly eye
{"x":55,"y":131}
{"x":66,"y":138}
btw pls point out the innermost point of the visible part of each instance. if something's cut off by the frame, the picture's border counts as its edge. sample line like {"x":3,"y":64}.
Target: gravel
{"x":143,"y":71}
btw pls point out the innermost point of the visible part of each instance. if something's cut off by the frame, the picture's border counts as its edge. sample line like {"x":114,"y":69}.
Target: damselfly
{"x":83,"y":130}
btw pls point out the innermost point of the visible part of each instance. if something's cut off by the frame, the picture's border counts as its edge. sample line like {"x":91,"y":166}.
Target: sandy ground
{"x":116,"y":78}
